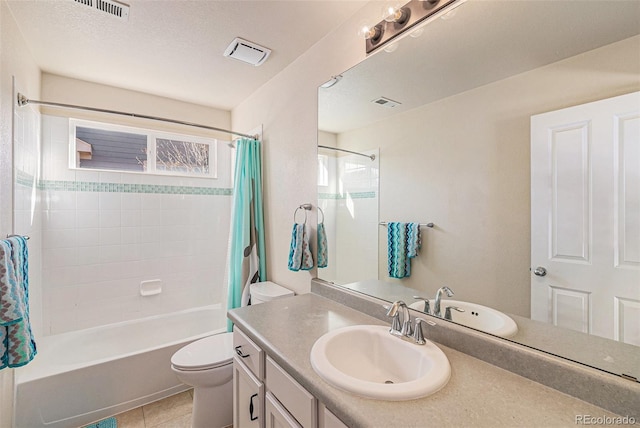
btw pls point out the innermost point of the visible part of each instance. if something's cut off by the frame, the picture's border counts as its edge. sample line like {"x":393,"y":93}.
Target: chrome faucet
{"x":447,"y":312}
{"x":418,"y":335}
{"x":427,"y":308}
{"x":436,"y":308}
{"x":400,"y":328}
{"x":403,"y":329}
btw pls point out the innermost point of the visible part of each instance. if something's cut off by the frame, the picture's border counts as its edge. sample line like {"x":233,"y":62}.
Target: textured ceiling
{"x":174,"y":48}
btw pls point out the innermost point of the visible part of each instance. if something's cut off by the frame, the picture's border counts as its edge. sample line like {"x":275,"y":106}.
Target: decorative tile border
{"x":354,"y":195}
{"x":25,"y":179}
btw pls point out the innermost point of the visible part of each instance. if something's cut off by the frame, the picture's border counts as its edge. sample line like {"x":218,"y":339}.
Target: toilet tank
{"x":265,"y":291}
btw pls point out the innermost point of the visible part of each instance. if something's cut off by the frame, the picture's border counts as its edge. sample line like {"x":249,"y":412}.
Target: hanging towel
{"x":300,"y":257}
{"x":17,"y":346}
{"x":403,"y":244}
{"x":323,"y":257}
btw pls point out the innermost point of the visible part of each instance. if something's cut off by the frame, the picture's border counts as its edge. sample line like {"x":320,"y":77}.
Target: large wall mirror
{"x":513,"y":127}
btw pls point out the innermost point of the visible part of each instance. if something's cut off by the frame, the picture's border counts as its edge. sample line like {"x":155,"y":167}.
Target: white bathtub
{"x":84,"y":376}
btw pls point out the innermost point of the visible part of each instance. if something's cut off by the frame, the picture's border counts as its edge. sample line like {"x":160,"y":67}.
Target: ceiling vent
{"x":386,"y":102}
{"x":110,"y":7}
{"x":246,"y":51}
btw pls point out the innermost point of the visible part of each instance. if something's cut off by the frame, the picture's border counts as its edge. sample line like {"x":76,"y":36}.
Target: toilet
{"x":207,"y":365}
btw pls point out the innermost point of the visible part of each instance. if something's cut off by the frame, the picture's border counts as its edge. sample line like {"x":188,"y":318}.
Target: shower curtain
{"x":246,"y":250}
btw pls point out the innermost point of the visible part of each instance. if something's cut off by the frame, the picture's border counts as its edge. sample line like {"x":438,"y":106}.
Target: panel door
{"x":277,"y":415}
{"x":585,"y":218}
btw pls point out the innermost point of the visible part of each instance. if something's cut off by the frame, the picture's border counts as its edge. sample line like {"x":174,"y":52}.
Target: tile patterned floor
{"x":171,"y":412}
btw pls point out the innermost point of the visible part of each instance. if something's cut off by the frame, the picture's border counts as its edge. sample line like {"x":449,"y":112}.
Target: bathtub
{"x":87,"y":375}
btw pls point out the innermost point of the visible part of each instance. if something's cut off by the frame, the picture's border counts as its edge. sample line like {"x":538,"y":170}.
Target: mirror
{"x":453,"y":147}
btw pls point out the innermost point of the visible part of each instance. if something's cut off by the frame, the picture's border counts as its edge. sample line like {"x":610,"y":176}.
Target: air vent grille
{"x":246,"y":51}
{"x":389,"y":103}
{"x":111,"y":7}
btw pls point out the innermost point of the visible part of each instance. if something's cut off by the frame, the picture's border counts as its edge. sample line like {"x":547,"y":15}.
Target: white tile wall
{"x":99,"y":246}
{"x":28,"y":205}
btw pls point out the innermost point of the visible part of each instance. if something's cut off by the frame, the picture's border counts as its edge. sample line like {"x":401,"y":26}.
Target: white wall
{"x":464,"y":165}
{"x":15,"y":60}
{"x":287,"y":107}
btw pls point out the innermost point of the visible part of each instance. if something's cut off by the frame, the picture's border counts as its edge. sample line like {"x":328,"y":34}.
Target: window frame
{"x":152,"y":135}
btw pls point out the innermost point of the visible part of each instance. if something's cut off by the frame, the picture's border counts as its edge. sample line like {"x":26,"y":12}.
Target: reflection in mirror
{"x":348,"y":199}
{"x":511,"y":126}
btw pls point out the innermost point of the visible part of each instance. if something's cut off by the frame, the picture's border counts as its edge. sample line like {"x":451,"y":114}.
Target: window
{"x":118,"y":148}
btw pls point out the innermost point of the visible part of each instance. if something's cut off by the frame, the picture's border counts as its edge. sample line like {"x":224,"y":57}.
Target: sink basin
{"x":476,"y":316}
{"x":368,"y":361}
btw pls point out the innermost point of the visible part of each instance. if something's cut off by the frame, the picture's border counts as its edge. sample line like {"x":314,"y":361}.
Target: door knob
{"x":540,"y":271}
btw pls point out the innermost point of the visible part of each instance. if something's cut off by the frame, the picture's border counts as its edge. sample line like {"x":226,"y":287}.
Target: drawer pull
{"x":240,"y":353}
{"x":251,"y":407}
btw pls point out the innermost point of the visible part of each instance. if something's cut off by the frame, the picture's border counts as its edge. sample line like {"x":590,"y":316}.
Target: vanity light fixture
{"x":396,"y":19}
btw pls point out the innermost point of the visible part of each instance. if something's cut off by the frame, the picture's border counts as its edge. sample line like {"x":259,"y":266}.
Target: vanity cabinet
{"x":248,"y":382}
{"x":266,"y":396}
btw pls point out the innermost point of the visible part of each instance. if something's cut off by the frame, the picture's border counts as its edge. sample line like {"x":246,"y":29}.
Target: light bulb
{"x":369,"y":33}
{"x":394,"y":12}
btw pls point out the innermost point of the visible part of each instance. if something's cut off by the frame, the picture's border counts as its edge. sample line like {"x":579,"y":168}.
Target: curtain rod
{"x":372,"y":157}
{"x":22,"y":101}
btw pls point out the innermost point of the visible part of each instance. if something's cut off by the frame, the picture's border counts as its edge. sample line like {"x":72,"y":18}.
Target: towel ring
{"x":321,"y":212}
{"x":305,"y":207}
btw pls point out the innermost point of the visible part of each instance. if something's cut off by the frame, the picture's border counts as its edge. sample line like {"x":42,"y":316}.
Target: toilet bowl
{"x":207,"y":365}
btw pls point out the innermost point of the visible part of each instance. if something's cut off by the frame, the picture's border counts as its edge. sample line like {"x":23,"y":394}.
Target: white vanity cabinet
{"x":248,"y":382}
{"x":266,"y":396}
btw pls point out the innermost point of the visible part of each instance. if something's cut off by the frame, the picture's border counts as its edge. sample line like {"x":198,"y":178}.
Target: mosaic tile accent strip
{"x":25,"y":179}
{"x":354,"y":195}
{"x":89,"y":186}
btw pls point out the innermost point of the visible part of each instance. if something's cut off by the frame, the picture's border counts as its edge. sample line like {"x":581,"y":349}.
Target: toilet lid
{"x":212,"y":351}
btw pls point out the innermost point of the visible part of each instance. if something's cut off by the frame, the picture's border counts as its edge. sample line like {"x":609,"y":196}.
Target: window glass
{"x":182,"y":156}
{"x":103,"y":149}
{"x":122,"y":148}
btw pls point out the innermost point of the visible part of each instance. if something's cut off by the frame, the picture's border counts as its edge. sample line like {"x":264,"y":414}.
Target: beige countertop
{"x":477,"y":395}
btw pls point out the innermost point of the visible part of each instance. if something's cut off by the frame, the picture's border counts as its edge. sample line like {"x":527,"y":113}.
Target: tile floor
{"x":171,"y":412}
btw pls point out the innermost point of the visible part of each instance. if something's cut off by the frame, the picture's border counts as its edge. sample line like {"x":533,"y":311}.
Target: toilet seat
{"x":203,"y":354}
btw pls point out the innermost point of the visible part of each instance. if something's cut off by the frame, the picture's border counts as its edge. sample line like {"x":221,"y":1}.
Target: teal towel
{"x":300,"y":257}
{"x":105,"y":423}
{"x":17,"y":346}
{"x":403,"y":241}
{"x":323,"y":257}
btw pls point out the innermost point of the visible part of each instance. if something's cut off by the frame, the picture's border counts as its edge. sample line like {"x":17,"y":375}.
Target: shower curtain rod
{"x":372,"y":157}
{"x":22,"y":101}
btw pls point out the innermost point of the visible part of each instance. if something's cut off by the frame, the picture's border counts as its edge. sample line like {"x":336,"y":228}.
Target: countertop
{"x":478,"y":394}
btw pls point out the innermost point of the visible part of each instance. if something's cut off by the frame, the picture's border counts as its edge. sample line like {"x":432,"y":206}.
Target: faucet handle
{"x":447,"y":312}
{"x":392,"y":311}
{"x":418,"y":335}
{"x":427,"y":308}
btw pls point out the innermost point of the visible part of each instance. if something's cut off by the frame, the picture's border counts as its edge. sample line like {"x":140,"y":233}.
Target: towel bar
{"x":384,"y":223}
{"x":24,"y":236}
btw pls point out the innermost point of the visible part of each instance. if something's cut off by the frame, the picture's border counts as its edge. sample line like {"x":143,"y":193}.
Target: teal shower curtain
{"x":247,"y":262}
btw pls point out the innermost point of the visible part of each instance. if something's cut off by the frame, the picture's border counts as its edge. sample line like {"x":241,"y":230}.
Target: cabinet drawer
{"x":300,"y":404}
{"x":249,"y":353}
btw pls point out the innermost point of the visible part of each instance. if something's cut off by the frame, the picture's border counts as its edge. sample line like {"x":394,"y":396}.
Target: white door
{"x":585,"y":218}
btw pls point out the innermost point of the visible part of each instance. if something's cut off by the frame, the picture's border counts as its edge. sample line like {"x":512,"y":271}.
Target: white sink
{"x":368,"y":361}
{"x":476,"y":316}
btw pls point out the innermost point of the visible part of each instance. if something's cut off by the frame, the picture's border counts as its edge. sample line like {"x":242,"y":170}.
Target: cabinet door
{"x":326,"y":419}
{"x":277,"y":416}
{"x":248,"y":397}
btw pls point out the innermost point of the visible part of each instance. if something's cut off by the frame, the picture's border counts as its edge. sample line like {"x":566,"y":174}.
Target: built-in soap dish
{"x":151,"y":287}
